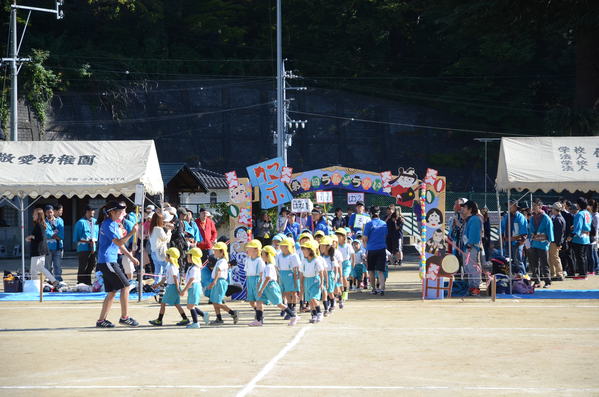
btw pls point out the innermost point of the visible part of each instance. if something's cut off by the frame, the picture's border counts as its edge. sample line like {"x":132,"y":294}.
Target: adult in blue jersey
{"x":85,"y":237}
{"x":375,"y":237}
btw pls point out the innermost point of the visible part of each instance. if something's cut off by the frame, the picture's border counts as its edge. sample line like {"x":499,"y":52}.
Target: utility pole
{"x":16,"y":62}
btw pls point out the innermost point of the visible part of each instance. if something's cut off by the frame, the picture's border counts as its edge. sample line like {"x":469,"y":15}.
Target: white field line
{"x":270,"y":365}
{"x":416,"y":329}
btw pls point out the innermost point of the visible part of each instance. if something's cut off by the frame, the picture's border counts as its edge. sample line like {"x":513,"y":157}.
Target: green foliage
{"x":39,"y":84}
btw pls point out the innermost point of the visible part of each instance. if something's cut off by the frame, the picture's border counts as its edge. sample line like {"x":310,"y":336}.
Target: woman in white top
{"x":159,"y":239}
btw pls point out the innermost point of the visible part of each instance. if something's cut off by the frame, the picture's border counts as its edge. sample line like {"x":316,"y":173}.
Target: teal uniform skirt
{"x":272,"y":294}
{"x":252,"y":288}
{"x":217,"y":293}
{"x":312,"y":288}
{"x":332,"y":282}
{"x":359,"y":271}
{"x":171,"y":295}
{"x":288,"y":284}
{"x":207,"y":291}
{"x":346,"y":268}
{"x":194,"y":293}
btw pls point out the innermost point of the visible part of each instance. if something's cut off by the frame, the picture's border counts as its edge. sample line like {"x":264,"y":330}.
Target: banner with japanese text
{"x":269,"y":176}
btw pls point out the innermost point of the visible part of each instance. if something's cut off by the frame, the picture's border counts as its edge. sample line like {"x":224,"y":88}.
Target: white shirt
{"x":338,"y":258}
{"x":288,"y":262}
{"x":346,"y":251}
{"x":193,"y":272}
{"x":253,"y":267}
{"x":313,"y":267}
{"x":329,"y":263}
{"x":171,"y":272}
{"x":269,"y":271}
{"x":223,"y":266}
{"x":159,"y":240}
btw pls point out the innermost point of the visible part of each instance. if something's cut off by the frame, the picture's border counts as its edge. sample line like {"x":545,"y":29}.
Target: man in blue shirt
{"x":85,"y":236}
{"x":352,"y":218}
{"x":319,"y":222}
{"x":55,"y":235}
{"x":519,"y":231}
{"x":472,"y":242}
{"x":110,"y":243}
{"x":375,"y":238}
{"x":292,"y":228}
{"x":580,"y":237}
{"x":540,"y":232}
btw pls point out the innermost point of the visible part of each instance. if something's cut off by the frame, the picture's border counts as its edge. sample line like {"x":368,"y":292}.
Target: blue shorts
{"x":288,"y":284}
{"x":332,"y":282}
{"x":171,"y":295}
{"x":312,"y":288}
{"x":207,"y":291}
{"x":217,"y":293}
{"x":346,"y":268}
{"x":194,"y":293}
{"x":272,"y":294}
{"x":251,"y":283}
{"x":358,"y":271}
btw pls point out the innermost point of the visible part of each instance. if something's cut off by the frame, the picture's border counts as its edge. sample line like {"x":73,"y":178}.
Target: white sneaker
{"x":319,"y":317}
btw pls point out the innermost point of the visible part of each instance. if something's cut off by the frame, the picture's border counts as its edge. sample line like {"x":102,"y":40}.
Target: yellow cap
{"x":270,"y":251}
{"x":341,"y":231}
{"x":289,"y":243}
{"x":196,"y":255}
{"x":254,"y":244}
{"x":305,"y":235}
{"x":173,"y":255}
{"x":221,"y":247}
{"x":319,"y":233}
{"x":334,"y":238}
{"x":326,"y":240}
{"x":311,"y":245}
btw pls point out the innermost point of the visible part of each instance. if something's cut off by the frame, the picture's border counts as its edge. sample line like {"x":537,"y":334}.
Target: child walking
{"x":288,"y":263}
{"x":218,"y":286}
{"x":312,"y":278}
{"x":193,"y":287}
{"x":254,"y":266}
{"x":360,"y":272}
{"x":172,"y":293}
{"x":348,"y":263}
{"x":269,"y":291}
{"x":332,"y":271}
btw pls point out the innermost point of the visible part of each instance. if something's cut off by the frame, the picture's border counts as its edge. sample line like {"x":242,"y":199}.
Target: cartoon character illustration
{"x":315,"y":181}
{"x":305,"y":184}
{"x":356,"y":181}
{"x":239,"y":194}
{"x":326,"y":179}
{"x":241,"y":235}
{"x":436,"y":244}
{"x":402,"y":187}
{"x":346,"y":180}
{"x":295,"y":185}
{"x":366,"y":183}
{"x":336,"y":178}
{"x":434,"y":218}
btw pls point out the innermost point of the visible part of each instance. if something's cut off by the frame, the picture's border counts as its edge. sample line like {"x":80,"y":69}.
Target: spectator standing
{"x":55,"y":236}
{"x":486,"y":233}
{"x":375,"y":237}
{"x":472,"y":239}
{"x":540,"y":232}
{"x":595,"y":236}
{"x":263,"y":229}
{"x":352,"y":219}
{"x":580,"y":237}
{"x":559,"y":237}
{"x":39,"y":247}
{"x":283,"y":219}
{"x":159,"y":240}
{"x":208,"y":232}
{"x":338,"y":220}
{"x":566,"y":254}
{"x":319,"y":222}
{"x":395,"y":224}
{"x":85,"y":237}
{"x":519,"y":231}
{"x":293,"y":227}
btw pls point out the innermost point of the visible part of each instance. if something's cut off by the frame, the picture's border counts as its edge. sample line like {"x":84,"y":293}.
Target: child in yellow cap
{"x":288,"y":264}
{"x":312,"y":278}
{"x":332,"y":273}
{"x":193,"y":287}
{"x":269,"y":291}
{"x":254,"y":265}
{"x":218,"y":286}
{"x":171,"y":294}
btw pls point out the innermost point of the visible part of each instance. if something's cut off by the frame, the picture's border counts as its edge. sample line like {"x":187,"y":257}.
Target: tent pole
{"x":499,"y":217}
{"x":22,"y":210}
{"x":509,"y":236}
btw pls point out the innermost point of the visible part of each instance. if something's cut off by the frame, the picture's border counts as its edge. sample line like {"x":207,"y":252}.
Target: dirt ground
{"x":391,"y":345}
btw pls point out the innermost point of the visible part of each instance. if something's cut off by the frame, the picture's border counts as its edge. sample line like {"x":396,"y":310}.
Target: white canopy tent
{"x":546,"y":163}
{"x":76,"y":168}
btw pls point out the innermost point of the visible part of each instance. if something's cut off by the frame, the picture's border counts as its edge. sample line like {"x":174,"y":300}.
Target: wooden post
{"x":41,"y":286}
{"x":493,"y":288}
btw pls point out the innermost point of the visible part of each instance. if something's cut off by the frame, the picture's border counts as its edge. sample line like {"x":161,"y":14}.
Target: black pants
{"x":87,"y":263}
{"x":539,"y":264}
{"x":581,"y":265}
{"x":565,"y":255}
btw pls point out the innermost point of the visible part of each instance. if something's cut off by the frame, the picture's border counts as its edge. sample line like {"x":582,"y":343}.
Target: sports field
{"x":391,"y":345}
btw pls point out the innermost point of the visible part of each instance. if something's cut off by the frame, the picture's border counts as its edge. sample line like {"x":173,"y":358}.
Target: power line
{"x":404,"y":124}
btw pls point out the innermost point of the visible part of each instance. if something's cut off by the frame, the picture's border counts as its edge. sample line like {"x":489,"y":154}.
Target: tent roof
{"x":549,"y":163}
{"x":78,"y":168}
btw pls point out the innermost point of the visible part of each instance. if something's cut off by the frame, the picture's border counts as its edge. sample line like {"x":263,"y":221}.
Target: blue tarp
{"x":555,"y":294}
{"x":63,"y":296}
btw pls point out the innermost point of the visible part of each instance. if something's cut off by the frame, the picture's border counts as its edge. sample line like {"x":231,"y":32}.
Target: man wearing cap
{"x":518,"y":228}
{"x":85,"y":236}
{"x":352,"y":219}
{"x":559,"y":235}
{"x":208,"y":232}
{"x":540,"y":230}
{"x":375,"y":238}
{"x":55,"y":236}
{"x":319,"y":222}
{"x":110,"y":242}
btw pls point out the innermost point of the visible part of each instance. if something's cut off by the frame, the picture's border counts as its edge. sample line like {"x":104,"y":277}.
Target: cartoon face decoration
{"x":315,"y":181}
{"x":326,"y":179}
{"x":305,"y":184}
{"x":406,"y":178}
{"x":356,"y":181}
{"x":295,"y":185}
{"x":434,"y":218}
{"x":366,"y":183}
{"x":239,"y":194}
{"x":242,"y":235}
{"x":336,"y":178}
{"x":346,"y":180}
{"x":377,"y":184}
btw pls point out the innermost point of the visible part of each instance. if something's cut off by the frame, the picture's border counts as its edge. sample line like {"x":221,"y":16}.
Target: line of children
{"x":269,"y":291}
{"x":172,"y":293}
